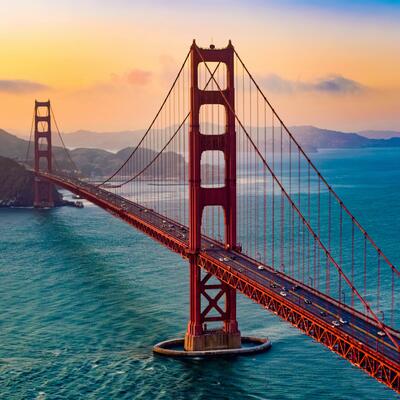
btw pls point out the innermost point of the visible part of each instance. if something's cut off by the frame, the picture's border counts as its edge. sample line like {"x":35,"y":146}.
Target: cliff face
{"x":16,"y":185}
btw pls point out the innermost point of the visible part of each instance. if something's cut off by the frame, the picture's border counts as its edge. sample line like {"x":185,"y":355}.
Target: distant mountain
{"x":16,"y":148}
{"x":112,"y":141}
{"x":96,"y":162}
{"x":310,"y":137}
{"x":99,"y":162}
{"x":379,"y":134}
{"x":16,"y":181}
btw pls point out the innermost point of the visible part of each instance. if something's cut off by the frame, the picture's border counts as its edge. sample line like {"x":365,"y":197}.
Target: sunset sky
{"x":107,"y":64}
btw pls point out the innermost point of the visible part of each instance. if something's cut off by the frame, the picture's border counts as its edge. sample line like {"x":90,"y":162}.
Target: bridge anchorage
{"x":302,"y":255}
{"x":206,"y":296}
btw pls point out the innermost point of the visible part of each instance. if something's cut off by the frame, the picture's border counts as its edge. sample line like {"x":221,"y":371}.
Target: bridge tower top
{"x":199,"y":142}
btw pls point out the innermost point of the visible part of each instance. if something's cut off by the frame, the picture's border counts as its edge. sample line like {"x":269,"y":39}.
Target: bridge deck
{"x":357,"y":340}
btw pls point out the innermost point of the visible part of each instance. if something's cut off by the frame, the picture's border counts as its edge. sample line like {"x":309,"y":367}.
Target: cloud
{"x":338,"y":84}
{"x":332,"y":84}
{"x":135,"y":77}
{"x":168,"y":68}
{"x":138,"y":77}
{"x":277,"y":84}
{"x":20,"y":86}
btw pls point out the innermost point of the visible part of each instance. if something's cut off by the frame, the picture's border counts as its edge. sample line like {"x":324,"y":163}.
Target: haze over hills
{"x":372,"y":134}
{"x":100,"y":162}
{"x":311,"y":138}
{"x":112,"y":141}
{"x":95,"y":158}
{"x":92,"y":162}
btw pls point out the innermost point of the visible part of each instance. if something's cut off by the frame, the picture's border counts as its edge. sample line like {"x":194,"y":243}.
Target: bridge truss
{"x":288,"y":219}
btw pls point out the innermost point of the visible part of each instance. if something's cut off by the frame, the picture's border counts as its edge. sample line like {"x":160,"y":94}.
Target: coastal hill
{"x":373,"y":134}
{"x":310,"y":137}
{"x":112,"y":141}
{"x":92,"y":162}
{"x":16,"y":182}
{"x":100,"y":162}
{"x":16,"y":185}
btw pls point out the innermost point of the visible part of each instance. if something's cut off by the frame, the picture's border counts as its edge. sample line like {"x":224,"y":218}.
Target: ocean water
{"x":83,"y":297}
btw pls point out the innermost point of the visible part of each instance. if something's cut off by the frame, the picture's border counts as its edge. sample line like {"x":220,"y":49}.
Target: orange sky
{"x":106,"y":65}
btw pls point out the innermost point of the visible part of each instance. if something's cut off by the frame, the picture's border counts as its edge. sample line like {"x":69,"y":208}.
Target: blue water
{"x":83,"y":297}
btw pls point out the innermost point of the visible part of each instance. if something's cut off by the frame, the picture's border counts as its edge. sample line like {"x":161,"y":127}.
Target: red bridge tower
{"x":43,"y":190}
{"x":198,"y":337}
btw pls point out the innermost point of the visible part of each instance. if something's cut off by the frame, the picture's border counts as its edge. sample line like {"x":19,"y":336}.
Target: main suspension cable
{"x":168,"y":142}
{"x":338,"y":199}
{"x":30,"y":138}
{"x":151,"y":124}
{"x":62,"y":141}
{"x":154,"y":159}
{"x":304,"y":221}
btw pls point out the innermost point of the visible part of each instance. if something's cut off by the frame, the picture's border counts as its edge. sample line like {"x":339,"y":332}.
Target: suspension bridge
{"x":219,"y":179}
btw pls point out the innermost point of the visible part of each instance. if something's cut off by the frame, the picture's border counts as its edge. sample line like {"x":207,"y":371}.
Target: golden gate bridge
{"x":219,"y":179}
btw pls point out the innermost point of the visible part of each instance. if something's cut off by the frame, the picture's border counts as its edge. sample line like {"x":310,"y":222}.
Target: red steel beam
{"x":362,"y":356}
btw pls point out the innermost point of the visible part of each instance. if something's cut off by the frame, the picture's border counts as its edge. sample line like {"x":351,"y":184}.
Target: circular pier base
{"x":174,"y":348}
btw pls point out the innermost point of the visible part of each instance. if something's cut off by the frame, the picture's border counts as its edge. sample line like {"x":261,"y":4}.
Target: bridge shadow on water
{"x":118,"y":292}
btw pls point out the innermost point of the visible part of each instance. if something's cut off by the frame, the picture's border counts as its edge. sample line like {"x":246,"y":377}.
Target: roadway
{"x":324,"y":309}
